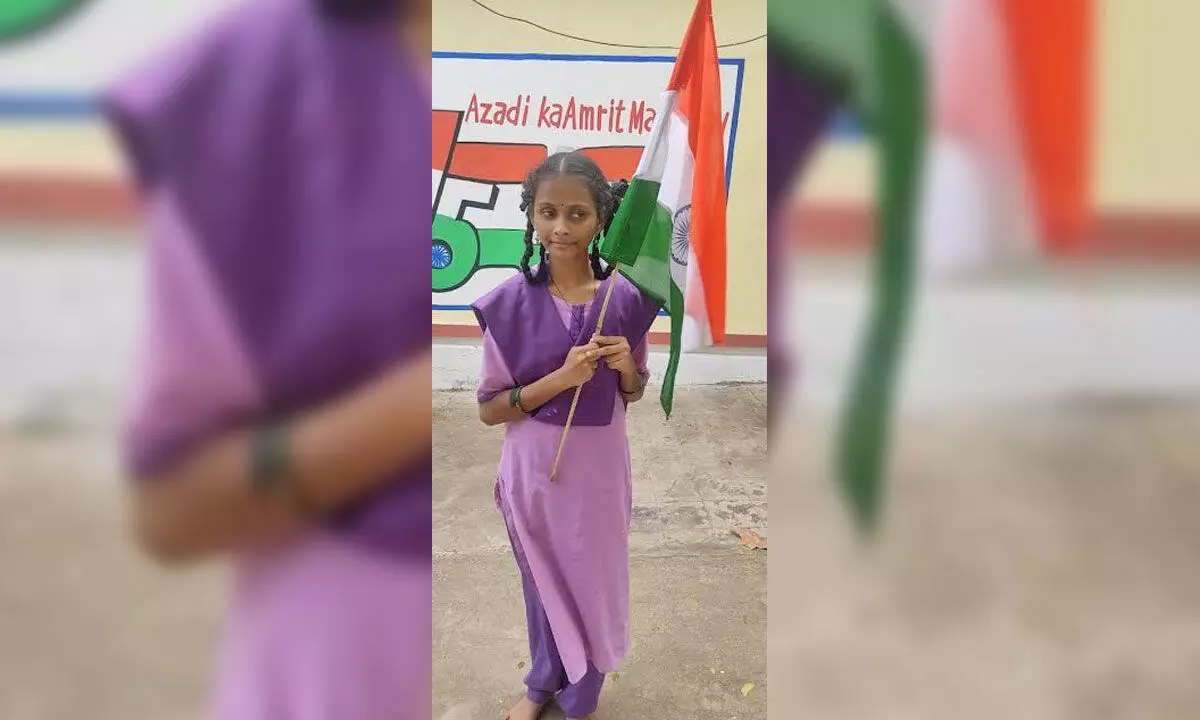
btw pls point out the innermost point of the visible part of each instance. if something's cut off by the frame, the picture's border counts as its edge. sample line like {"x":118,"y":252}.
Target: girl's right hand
{"x":580,"y":364}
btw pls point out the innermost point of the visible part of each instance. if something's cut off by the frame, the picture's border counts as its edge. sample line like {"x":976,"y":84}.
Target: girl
{"x":282,"y":415}
{"x":569,"y":536}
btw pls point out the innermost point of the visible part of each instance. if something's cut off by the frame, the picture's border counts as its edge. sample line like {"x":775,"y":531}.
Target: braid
{"x":599,"y":271}
{"x":527,"y":193}
{"x":528,"y":252}
{"x":543,"y":271}
{"x":616,"y":193}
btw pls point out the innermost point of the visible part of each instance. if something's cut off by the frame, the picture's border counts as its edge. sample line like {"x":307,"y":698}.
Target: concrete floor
{"x":698,"y":599}
{"x":88,"y":628}
{"x":1037,"y":563}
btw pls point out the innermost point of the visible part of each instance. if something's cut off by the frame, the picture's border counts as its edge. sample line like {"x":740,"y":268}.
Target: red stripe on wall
{"x":56,"y":200}
{"x":1159,"y":236}
{"x":616,"y":162}
{"x":1162,"y":235}
{"x":495,"y":162}
{"x":445,"y":131}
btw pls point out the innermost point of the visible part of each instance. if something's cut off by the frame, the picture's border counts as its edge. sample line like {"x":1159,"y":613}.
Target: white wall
{"x":93,"y":47}
{"x":1102,"y":333}
{"x":71,"y":320}
{"x":66,"y":353}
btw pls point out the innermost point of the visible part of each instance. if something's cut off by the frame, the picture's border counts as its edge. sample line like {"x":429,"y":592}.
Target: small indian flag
{"x":668,"y":236}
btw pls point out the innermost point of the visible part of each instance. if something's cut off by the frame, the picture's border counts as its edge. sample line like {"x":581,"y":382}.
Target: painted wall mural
{"x":21,"y":19}
{"x":496,"y":116}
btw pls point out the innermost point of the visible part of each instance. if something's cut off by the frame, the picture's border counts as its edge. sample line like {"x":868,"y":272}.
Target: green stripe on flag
{"x":639,"y":241}
{"x":866,"y":425}
{"x":865,"y":51}
{"x":667,"y":396}
{"x":635,"y":215}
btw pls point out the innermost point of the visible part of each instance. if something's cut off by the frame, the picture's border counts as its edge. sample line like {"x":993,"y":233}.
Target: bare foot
{"x":525,"y":709}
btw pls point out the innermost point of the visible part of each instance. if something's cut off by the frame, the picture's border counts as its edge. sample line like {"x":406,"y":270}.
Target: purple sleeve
{"x":494,"y":377}
{"x":193,"y":377}
{"x":641,"y":357}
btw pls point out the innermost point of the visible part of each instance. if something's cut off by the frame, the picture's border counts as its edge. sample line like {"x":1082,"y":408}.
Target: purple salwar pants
{"x":547,"y":678}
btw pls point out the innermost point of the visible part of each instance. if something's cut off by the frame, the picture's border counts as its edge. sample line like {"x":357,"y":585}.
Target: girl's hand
{"x":580,"y":364}
{"x":615,"y":352}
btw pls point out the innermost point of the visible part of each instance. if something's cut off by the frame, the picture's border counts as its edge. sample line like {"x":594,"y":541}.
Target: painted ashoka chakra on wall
{"x":442,"y":255}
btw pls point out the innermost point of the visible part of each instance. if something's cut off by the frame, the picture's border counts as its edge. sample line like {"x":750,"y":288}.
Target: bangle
{"x":514,"y":399}
{"x":640,"y":386}
{"x":268,"y":458}
{"x":270,"y":467}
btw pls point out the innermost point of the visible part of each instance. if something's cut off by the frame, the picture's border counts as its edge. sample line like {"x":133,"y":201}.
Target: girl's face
{"x":564,"y":217}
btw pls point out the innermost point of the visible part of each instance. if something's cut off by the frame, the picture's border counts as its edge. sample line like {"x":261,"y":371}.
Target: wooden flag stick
{"x":579,"y":388}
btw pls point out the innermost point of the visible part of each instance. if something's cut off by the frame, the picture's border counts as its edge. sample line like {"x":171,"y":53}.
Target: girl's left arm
{"x":641,"y":355}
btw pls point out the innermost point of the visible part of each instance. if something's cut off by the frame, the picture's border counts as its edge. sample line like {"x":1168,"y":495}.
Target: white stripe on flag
{"x":653,"y":162}
{"x":676,"y":196}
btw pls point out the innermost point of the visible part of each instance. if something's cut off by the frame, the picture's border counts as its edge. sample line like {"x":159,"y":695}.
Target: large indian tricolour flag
{"x":979,"y":113}
{"x":668,"y":236}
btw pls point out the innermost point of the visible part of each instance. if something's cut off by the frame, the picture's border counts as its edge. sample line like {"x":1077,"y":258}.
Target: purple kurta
{"x":572,"y":536}
{"x":280,"y":159}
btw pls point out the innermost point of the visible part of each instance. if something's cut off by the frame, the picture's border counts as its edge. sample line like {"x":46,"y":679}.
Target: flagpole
{"x":579,"y":388}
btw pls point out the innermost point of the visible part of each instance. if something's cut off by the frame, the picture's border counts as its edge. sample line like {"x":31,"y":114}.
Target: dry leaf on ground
{"x":751,"y":539}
